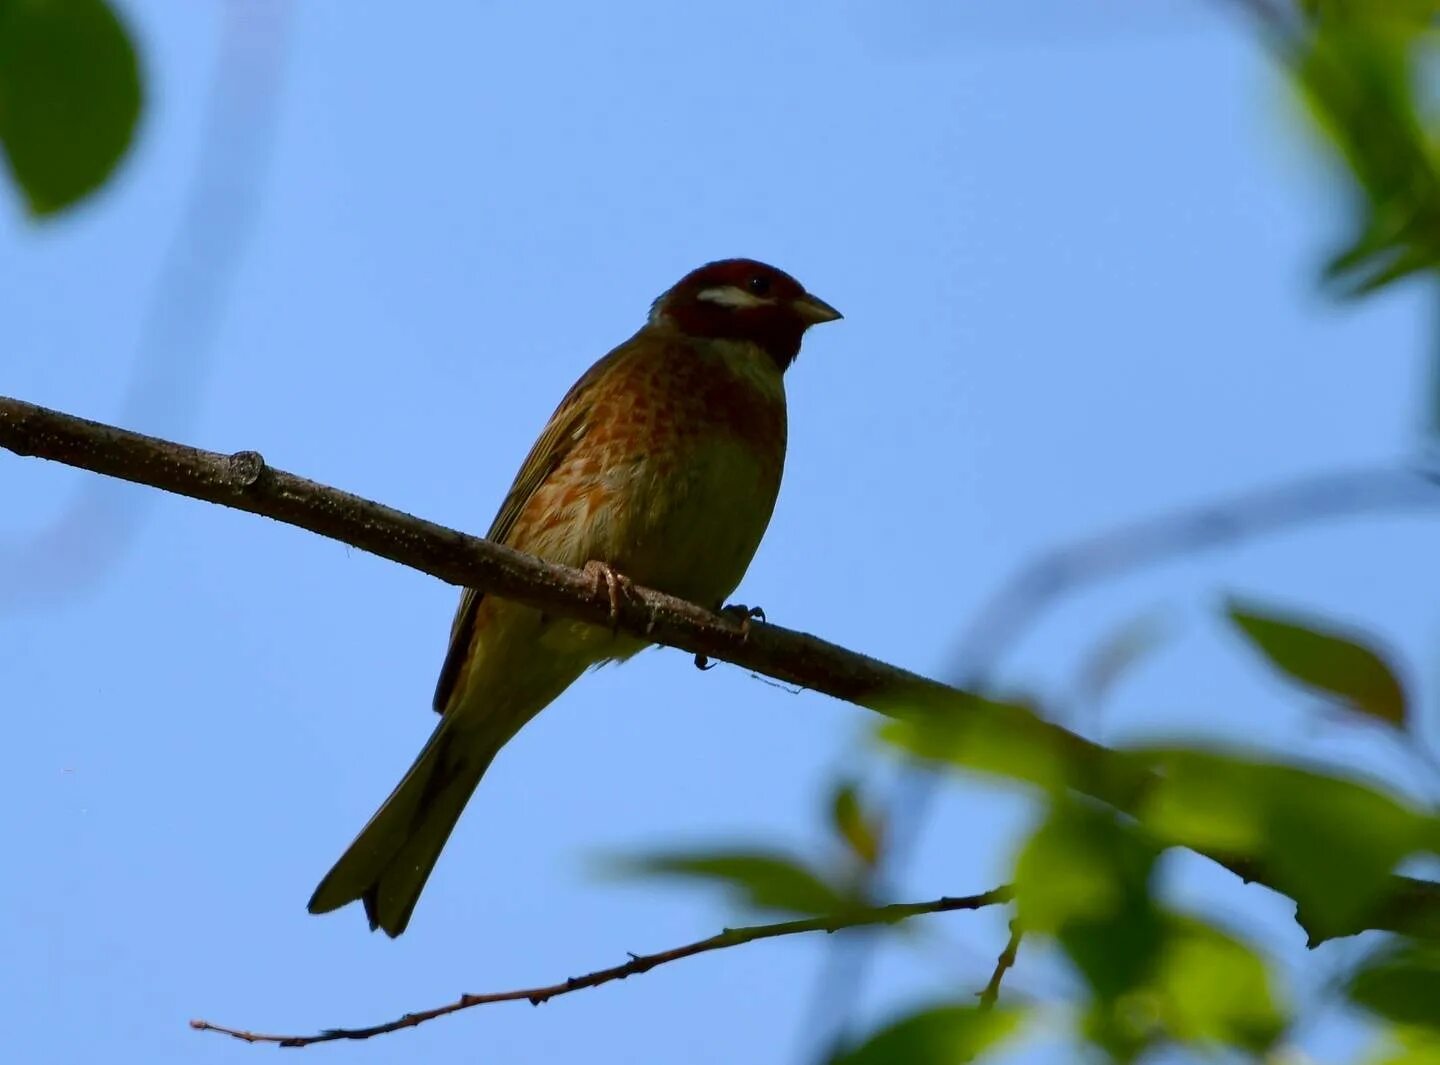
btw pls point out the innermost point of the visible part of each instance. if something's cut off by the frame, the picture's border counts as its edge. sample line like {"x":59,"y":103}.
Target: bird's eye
{"x":758,"y":286}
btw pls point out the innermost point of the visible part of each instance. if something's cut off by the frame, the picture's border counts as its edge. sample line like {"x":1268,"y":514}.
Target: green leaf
{"x":1401,"y":984}
{"x":1205,"y":989}
{"x":1327,"y":842}
{"x":1417,"y":13}
{"x":985,"y":735}
{"x":69,"y":97}
{"x":1084,"y":877}
{"x":1407,"y":1046}
{"x":1357,"y":70}
{"x":859,"y":830}
{"x":1215,"y":989}
{"x":1207,"y":802}
{"x":939,"y":1035}
{"x":1081,"y":864}
{"x":1323,"y":658}
{"x":765,"y":880}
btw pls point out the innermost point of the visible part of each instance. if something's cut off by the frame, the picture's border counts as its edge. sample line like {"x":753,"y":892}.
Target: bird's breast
{"x":673,"y":474}
{"x":697,"y":519}
{"x":696,"y":485}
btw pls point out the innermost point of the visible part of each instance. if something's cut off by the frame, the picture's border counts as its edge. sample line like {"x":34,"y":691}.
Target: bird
{"x":660,"y":467}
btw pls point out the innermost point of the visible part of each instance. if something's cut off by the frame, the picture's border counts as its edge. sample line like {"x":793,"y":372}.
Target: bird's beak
{"x":813,"y":310}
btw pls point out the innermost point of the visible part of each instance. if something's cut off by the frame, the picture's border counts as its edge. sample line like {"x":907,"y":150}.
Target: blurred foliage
{"x":1212,"y":989}
{"x":69,"y":97}
{"x":1319,"y":656}
{"x":1326,"y":841}
{"x":1401,"y":982}
{"x":763,"y":880}
{"x":1407,"y":1047}
{"x":986,"y":735}
{"x":1086,"y":878}
{"x":860,"y":830}
{"x":1413,"y":12}
{"x":935,"y":1035}
{"x":1359,"y":66}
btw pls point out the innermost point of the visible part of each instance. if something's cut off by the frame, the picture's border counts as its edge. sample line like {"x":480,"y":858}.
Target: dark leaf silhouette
{"x":69,"y":97}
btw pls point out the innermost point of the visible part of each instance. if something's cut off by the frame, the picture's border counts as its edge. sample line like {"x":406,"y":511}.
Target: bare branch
{"x":1003,"y":964}
{"x":638,"y":963}
{"x":245,"y":482}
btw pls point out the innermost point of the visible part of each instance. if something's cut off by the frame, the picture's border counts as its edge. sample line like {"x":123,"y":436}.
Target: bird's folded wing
{"x":564,"y":430}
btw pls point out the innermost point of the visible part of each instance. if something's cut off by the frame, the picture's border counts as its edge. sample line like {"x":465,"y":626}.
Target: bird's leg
{"x":617,"y":584}
{"x":734,"y":610}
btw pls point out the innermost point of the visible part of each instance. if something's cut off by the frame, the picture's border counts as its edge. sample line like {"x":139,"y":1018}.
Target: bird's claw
{"x":744,"y":614}
{"x":617,"y":584}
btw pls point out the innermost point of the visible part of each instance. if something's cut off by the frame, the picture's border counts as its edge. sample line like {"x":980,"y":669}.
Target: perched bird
{"x":660,"y":466}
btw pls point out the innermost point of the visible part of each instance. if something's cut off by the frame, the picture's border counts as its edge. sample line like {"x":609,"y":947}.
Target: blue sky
{"x":1076,"y":257}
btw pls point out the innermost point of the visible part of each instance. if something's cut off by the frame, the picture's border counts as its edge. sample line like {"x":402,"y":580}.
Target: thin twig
{"x":1017,"y":606}
{"x":1003,"y":964}
{"x":245,"y":482}
{"x":638,"y":963}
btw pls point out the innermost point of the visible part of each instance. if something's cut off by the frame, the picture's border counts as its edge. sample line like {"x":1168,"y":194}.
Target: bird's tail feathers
{"x":390,"y":860}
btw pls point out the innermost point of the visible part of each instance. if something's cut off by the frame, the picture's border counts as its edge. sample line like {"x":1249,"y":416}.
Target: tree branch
{"x":1003,"y":964}
{"x":245,"y":482}
{"x":1033,"y":590}
{"x":638,"y":963}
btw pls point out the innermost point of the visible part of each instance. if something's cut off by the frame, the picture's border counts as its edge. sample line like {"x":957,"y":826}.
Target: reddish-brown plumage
{"x":663,"y":463}
{"x":774,"y":326}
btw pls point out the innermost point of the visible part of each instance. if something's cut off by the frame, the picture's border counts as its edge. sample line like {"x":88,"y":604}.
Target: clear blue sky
{"x":1076,"y":258}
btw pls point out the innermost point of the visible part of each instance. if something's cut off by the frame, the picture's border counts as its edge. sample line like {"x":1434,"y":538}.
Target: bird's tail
{"x":392,"y":857}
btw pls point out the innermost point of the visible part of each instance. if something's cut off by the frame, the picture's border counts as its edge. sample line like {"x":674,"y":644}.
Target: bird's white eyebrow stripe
{"x":730,"y":296}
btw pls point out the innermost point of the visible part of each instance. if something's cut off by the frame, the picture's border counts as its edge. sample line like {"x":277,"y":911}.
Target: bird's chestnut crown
{"x":741,"y":299}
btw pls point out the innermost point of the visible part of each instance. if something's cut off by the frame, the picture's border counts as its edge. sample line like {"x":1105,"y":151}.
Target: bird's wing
{"x":564,"y":430}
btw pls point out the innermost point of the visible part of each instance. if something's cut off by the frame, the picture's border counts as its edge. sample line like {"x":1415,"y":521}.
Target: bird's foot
{"x":617,"y":584}
{"x":745,"y":614}
{"x":734,"y":610}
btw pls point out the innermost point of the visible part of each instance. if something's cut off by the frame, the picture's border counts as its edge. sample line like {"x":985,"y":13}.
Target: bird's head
{"x":741,"y":299}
